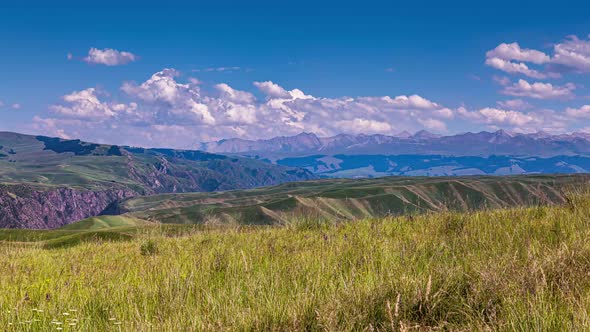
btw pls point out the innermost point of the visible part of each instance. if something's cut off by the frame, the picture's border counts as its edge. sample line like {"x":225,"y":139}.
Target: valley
{"x":49,"y":182}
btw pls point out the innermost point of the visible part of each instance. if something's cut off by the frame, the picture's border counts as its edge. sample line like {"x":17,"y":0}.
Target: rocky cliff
{"x":24,"y":206}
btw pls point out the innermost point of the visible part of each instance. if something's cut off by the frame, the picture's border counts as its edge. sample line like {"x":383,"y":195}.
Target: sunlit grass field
{"x":517,"y":269}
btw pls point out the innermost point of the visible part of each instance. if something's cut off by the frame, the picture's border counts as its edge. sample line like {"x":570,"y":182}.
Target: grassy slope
{"x":340,"y":199}
{"x":140,"y":170}
{"x":517,"y":269}
{"x":43,"y":168}
{"x":103,"y":222}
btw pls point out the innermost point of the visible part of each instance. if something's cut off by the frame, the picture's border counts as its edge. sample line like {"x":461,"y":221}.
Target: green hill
{"x":102,"y":222}
{"x":342,"y":199}
{"x":49,"y":182}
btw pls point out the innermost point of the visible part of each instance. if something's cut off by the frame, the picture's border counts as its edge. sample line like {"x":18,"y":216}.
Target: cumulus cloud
{"x":360,"y":126}
{"x":582,"y":112}
{"x":233,"y":95}
{"x":272,"y":90}
{"x":503,"y":58}
{"x":514,"y":68}
{"x":513,"y":51}
{"x":570,"y":55}
{"x":517,"y":121}
{"x":512,"y":118}
{"x":433,"y":124}
{"x":540,"y":90}
{"x":108,"y":57}
{"x":573,"y":53}
{"x":83,"y":104}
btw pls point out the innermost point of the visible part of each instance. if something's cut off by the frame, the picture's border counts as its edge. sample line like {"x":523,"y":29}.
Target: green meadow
{"x":516,"y":269}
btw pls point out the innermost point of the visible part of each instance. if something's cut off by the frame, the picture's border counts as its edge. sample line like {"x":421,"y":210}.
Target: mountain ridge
{"x":483,"y":143}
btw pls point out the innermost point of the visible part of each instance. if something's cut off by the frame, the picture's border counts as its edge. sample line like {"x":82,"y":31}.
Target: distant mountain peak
{"x":424,"y":134}
{"x":503,"y":132}
{"x":403,"y":134}
{"x":306,"y":134}
{"x":499,"y":142}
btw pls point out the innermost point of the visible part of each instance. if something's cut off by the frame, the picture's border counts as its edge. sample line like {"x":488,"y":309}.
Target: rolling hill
{"x":49,"y":182}
{"x":345,"y":199}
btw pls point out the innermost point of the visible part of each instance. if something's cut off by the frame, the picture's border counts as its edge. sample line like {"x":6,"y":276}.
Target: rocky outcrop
{"x":24,"y":206}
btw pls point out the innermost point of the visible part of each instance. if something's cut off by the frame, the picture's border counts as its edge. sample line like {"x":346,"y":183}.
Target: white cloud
{"x":83,"y":105}
{"x":217,"y":69}
{"x":514,"y":68}
{"x":498,"y":116}
{"x":14,"y":106}
{"x":160,"y":87}
{"x":573,"y":53}
{"x":361,"y":126}
{"x":413,"y":101}
{"x":513,"y":51}
{"x":515,"y":104}
{"x":108,"y":57}
{"x":501,"y":80}
{"x":164,"y":110}
{"x":582,"y":112}
{"x":570,"y":55}
{"x":517,"y":121}
{"x":236,"y":96}
{"x":433,"y":124}
{"x":272,"y":90}
{"x":540,"y":90}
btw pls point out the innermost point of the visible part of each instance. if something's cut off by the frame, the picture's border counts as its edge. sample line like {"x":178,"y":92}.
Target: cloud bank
{"x":169,"y":110}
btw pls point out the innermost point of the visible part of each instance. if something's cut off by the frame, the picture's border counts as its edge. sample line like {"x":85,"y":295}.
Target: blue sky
{"x":329,"y":50}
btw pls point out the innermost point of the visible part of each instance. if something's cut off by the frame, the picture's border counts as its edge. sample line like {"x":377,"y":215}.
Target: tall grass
{"x":517,"y":269}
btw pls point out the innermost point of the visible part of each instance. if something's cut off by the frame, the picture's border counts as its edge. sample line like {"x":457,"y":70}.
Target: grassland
{"x":345,"y":199}
{"x":518,"y":269}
